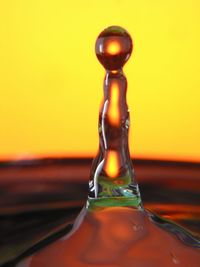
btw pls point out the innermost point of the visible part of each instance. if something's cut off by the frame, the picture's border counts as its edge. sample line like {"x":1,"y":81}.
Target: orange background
{"x":51,"y":81}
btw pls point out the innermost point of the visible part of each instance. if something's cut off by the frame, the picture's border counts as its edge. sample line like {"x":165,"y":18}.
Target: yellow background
{"x":51,"y":81}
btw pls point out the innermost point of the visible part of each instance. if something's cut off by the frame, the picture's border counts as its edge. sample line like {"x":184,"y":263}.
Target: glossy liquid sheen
{"x":119,"y":236}
{"x":113,"y":229}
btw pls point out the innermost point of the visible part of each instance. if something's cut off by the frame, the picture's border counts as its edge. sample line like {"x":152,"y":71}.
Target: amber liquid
{"x":119,"y":236}
{"x":41,"y":200}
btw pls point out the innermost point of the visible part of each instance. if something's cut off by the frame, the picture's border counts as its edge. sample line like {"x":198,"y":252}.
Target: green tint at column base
{"x":94,"y":203}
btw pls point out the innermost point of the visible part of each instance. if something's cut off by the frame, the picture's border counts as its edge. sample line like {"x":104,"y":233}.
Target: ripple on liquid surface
{"x":117,"y":237}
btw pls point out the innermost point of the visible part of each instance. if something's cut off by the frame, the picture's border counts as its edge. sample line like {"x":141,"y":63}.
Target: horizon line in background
{"x":40,"y":156}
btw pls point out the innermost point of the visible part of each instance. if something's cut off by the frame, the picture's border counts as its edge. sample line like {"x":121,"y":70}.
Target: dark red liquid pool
{"x":41,"y":199}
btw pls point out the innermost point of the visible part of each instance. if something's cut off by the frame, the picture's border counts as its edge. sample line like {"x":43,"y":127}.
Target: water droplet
{"x":112,"y":174}
{"x":175,"y":260}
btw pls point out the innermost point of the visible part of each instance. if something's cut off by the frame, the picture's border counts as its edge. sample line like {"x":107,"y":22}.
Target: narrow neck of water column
{"x":112,"y":181}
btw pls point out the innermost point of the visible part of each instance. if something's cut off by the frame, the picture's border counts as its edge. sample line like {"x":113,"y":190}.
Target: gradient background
{"x":51,"y":81}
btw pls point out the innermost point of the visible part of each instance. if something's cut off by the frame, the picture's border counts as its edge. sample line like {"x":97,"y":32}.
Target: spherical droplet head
{"x":113,"y":47}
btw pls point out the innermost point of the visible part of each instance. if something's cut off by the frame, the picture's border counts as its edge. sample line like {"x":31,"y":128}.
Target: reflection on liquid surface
{"x":40,"y":201}
{"x":119,"y":236}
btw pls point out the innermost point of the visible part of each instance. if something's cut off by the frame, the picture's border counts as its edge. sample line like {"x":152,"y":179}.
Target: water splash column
{"x":112,"y":181}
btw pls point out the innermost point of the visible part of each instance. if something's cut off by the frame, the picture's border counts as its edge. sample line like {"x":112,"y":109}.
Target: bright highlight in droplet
{"x":112,"y":164}
{"x":113,"y":107}
{"x":113,"y":48}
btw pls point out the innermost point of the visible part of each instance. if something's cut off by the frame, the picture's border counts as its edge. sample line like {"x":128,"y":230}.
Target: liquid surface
{"x":119,"y":237}
{"x":41,"y":200}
